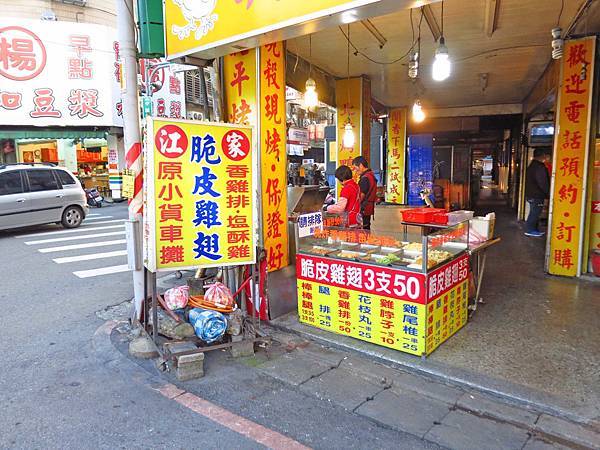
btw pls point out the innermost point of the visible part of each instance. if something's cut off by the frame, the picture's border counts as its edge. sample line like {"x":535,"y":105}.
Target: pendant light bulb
{"x":413,"y":65}
{"x":311,"y":98}
{"x":418,"y":114}
{"x":348,"y":138}
{"x":441,"y":63}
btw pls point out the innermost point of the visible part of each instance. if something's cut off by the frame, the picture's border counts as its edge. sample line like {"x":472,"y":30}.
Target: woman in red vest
{"x":348,"y":204}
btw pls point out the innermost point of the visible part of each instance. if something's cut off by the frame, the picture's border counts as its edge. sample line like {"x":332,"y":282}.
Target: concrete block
{"x":406,"y":382}
{"x":342,"y":388}
{"x":142,"y":347}
{"x":186,"y":373}
{"x":465,"y":431}
{"x":569,"y":431}
{"x":294,"y":368}
{"x":243,"y":348}
{"x":537,"y":444}
{"x":194,"y":358}
{"x":178,"y":346}
{"x":489,"y":406}
{"x":408,"y":412}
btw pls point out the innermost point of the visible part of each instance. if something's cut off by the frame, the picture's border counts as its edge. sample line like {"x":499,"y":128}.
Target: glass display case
{"x":405,"y":250}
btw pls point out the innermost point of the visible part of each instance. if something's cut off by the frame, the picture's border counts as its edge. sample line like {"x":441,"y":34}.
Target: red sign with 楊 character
{"x":22,"y":54}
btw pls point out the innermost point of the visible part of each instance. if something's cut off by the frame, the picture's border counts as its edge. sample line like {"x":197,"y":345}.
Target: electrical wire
{"x":562,"y":6}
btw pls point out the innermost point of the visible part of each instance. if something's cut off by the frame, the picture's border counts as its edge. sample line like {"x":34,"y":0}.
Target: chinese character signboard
{"x":240,"y":80}
{"x":309,"y":223}
{"x":406,"y":311}
{"x":52,"y":74}
{"x":348,"y":93}
{"x":192,"y":26}
{"x":396,"y":152}
{"x":168,"y":89}
{"x":273,"y":154}
{"x":571,"y":155}
{"x":200,"y":195}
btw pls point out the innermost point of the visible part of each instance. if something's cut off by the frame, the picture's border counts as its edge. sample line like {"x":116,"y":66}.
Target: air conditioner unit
{"x":74,"y":2}
{"x":195,"y":115}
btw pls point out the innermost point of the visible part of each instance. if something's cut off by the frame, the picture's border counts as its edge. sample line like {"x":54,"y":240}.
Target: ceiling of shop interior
{"x":514,"y":56}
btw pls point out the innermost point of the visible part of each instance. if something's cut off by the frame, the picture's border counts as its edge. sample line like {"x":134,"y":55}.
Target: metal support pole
{"x":131,"y":133}
{"x":154,"y":308}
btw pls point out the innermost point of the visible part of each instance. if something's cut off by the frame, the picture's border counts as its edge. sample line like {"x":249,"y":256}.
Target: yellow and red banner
{"x":273,"y":158}
{"x":403,"y":310}
{"x":195,"y":26}
{"x":349,"y":100}
{"x":200,"y":195}
{"x":240,"y":80}
{"x":396,"y":154}
{"x":571,"y":155}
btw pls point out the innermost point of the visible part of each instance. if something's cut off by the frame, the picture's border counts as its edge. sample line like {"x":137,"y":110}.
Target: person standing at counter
{"x":537,"y":190}
{"x":368,"y":189}
{"x":348,"y":204}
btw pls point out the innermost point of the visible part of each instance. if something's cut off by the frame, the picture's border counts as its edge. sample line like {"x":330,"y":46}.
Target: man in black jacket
{"x":537,"y":189}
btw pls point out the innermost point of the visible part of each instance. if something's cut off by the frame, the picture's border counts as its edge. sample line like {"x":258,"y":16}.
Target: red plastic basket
{"x":420,"y":215}
{"x":440,"y":218}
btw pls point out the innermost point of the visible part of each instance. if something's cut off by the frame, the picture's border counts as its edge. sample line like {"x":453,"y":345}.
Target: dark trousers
{"x":366,"y":222}
{"x":535,"y":210}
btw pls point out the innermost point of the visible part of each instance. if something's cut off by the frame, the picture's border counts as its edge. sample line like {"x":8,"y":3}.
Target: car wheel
{"x":72,"y":217}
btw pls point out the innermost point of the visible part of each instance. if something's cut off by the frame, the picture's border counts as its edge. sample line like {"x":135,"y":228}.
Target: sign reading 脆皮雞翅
{"x":200,"y":187}
{"x":57,"y":74}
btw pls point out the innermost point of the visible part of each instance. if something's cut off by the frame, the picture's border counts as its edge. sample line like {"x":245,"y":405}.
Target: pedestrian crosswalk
{"x":97,"y":248}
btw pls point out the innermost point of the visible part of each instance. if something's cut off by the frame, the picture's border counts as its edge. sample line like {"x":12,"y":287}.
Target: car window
{"x":65,"y":178}
{"x":10,"y":183}
{"x":42,"y":180}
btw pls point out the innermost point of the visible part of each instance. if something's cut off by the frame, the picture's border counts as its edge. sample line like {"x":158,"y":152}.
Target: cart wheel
{"x":178,"y":275}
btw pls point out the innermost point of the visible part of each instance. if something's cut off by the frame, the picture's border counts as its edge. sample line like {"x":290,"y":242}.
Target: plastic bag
{"x":219,"y":296}
{"x":208,"y":325}
{"x":177,"y":297}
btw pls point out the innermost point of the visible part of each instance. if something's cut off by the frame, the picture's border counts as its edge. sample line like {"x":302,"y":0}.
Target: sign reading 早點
{"x":200,"y":193}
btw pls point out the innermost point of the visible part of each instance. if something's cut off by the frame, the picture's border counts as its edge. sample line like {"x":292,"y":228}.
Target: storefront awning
{"x":52,"y":133}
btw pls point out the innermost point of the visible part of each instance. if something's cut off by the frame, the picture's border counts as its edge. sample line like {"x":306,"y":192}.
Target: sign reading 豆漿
{"x":54,"y":74}
{"x":192,"y":26}
{"x":200,"y":195}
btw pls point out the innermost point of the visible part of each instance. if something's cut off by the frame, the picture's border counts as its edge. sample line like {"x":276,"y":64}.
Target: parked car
{"x":36,"y":194}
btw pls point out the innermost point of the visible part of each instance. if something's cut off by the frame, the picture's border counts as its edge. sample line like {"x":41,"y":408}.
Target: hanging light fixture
{"x":311,"y":98}
{"x":557,"y":43}
{"x":413,"y":65}
{"x":418,"y":114}
{"x":348,"y":138}
{"x":441,"y":64}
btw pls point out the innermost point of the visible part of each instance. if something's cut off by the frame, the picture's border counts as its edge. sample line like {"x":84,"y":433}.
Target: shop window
{"x":65,"y":178}
{"x":42,"y":180}
{"x":10,"y":183}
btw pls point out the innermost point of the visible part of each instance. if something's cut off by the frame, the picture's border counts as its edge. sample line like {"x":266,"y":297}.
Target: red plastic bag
{"x":219,"y":296}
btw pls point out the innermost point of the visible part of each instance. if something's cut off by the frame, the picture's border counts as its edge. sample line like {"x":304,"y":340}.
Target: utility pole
{"x":132,"y":140}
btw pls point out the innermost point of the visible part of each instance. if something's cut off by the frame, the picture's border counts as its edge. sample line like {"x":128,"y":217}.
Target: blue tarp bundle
{"x":208,"y":325}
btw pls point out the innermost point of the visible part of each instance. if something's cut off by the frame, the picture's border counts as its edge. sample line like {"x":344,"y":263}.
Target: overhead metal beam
{"x":492,"y":11}
{"x":432,"y":22}
{"x":375,"y":32}
{"x":479,"y":110}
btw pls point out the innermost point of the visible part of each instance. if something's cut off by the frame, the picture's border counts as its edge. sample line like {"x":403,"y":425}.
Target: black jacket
{"x":537,"y":181}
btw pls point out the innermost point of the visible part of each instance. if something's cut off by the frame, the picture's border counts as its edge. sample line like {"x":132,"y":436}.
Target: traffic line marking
{"x":75,"y":238}
{"x":65,"y":248}
{"x":89,"y":257}
{"x":101,"y":271}
{"x":251,"y":430}
{"x":93,"y":214}
{"x":87,"y":218}
{"x":73,"y":230}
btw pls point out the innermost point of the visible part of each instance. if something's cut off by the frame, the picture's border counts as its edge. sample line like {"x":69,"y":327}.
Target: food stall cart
{"x":405,"y":291}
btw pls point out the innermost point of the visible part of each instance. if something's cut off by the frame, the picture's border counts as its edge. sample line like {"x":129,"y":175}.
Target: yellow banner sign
{"x":396,"y":151}
{"x":199,"y":183}
{"x":192,"y":26}
{"x":240,"y":77}
{"x":348,"y":95}
{"x":571,"y":150}
{"x":273,"y":155}
{"x":127,"y":188}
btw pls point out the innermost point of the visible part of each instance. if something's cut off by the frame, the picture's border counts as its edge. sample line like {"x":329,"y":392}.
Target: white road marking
{"x":87,"y":218}
{"x":93,"y":214}
{"x":75,"y":238}
{"x":73,"y":230}
{"x":103,"y":221}
{"x":101,"y":271}
{"x":89,"y":257}
{"x":65,"y":248}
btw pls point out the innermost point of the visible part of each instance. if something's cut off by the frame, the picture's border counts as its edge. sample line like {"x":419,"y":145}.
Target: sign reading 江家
{"x":571,"y":155}
{"x":200,"y":183}
{"x":53,"y":74}
{"x":308,"y":223}
{"x":403,"y":310}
